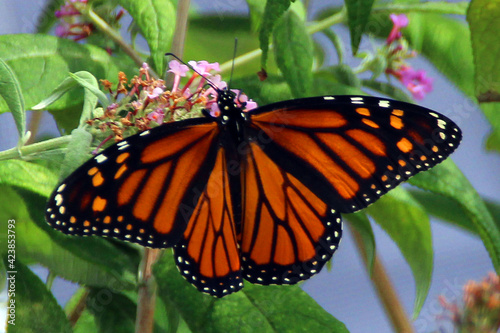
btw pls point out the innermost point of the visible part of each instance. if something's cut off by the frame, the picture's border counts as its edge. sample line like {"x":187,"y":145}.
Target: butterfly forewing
{"x":350,"y":150}
{"x":142,"y":189}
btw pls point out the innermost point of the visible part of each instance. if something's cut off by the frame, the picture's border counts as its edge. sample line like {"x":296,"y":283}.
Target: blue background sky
{"x":346,"y":291}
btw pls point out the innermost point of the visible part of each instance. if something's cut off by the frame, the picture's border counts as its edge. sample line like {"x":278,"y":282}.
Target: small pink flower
{"x":417,"y":82}
{"x":66,"y":10}
{"x":62,"y":30}
{"x":203,"y":67}
{"x":157,"y":116}
{"x":250,"y":105}
{"x":156,"y":92}
{"x":214,"y":110}
{"x":400,"y":22}
{"x":217,"y":80}
{"x":179,"y":70}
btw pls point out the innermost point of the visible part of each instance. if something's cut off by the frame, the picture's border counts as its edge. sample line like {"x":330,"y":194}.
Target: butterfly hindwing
{"x":142,"y":189}
{"x":350,"y":150}
{"x":208,"y":255}
{"x":288,"y":233}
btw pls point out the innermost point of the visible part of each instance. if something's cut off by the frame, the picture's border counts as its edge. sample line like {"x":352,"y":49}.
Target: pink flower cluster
{"x":71,"y":24}
{"x":202,"y":71}
{"x":145,"y":102}
{"x":480,"y":311}
{"x":416,"y":81}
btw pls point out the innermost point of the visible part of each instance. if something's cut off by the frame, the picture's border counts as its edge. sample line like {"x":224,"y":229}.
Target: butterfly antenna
{"x":232,"y":66}
{"x":194,"y":70}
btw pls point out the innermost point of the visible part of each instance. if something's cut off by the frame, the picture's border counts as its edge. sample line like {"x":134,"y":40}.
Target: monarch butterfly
{"x":252,"y":195}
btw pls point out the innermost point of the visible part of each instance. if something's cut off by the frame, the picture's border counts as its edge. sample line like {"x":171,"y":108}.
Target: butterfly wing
{"x":143,"y":189}
{"x":350,"y":150}
{"x":288,"y":233}
{"x":207,"y":254}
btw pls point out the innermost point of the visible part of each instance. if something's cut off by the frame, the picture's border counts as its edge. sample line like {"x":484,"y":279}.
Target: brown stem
{"x":146,"y":300}
{"x":179,"y":35}
{"x":386,"y":293}
{"x":34,"y":125}
{"x":77,"y":311}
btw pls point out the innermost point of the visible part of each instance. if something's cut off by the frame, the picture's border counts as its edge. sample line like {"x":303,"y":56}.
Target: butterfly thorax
{"x":232,"y":117}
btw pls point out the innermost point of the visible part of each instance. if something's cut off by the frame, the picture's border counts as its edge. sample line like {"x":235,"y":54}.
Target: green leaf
{"x":77,"y":152}
{"x":336,"y":81}
{"x":11,"y":92}
{"x":358,"y":12}
{"x":449,"y":210}
{"x":29,"y":176}
{"x":35,"y":306}
{"x":482,"y":17}
{"x":113,"y":312}
{"x":42,"y":62}
{"x":66,"y":85}
{"x":494,"y":209}
{"x":92,"y":93}
{"x":446,"y":179}
{"x":330,"y":86}
{"x":156,"y":19}
{"x":294,"y":53}
{"x":256,"y":8}
{"x":272,"y":13}
{"x":361,"y":223}
{"x":85,"y":321}
{"x":444,"y":208}
{"x":254,"y":309}
{"x":492,"y":112}
{"x":493,"y":141}
{"x":408,"y":225}
{"x":344,"y":75}
{"x":336,"y":42}
{"x":12,"y":207}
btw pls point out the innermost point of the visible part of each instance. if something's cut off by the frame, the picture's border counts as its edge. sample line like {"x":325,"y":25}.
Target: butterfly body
{"x":254,"y":195}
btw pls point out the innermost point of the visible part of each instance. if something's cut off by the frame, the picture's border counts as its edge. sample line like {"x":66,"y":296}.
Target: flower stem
{"x":146,"y":300}
{"x":78,"y":309}
{"x":116,"y":37}
{"x":34,"y":125}
{"x":180,"y":31}
{"x":455,"y":8}
{"x":386,"y":293}
{"x":35,"y":148}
